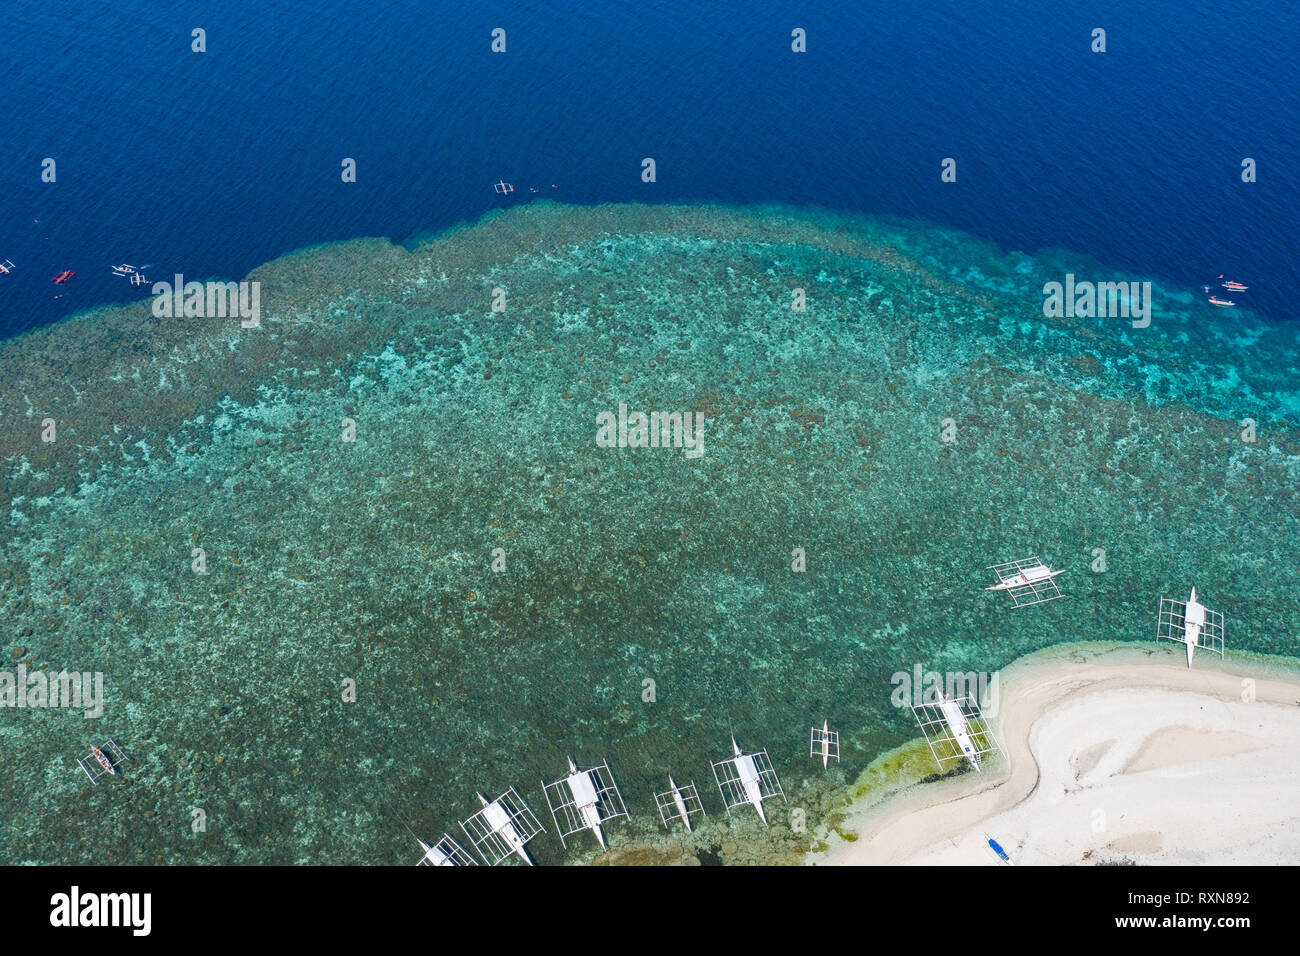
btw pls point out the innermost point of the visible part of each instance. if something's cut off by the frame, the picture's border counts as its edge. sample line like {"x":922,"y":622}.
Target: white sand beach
{"x":1116,"y":755}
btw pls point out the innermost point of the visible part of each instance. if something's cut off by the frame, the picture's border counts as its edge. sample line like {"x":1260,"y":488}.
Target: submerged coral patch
{"x":388,"y":485}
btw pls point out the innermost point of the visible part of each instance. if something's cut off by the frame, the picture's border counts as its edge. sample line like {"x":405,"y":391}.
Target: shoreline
{"x":1111,"y":754}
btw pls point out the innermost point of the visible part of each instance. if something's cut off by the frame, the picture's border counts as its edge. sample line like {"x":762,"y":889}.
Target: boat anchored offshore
{"x":678,"y":803}
{"x":1221,"y":303}
{"x":1191,"y":623}
{"x":1027,"y":581}
{"x":6,"y":266}
{"x":101,"y":760}
{"x":747,"y":778}
{"x":503,"y":827}
{"x":123,"y":270}
{"x":824,"y":743}
{"x":584,"y":800}
{"x":63,"y":276}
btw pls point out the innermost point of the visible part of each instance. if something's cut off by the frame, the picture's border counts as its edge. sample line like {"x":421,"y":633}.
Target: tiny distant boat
{"x":1221,"y":303}
{"x":1235,"y":287}
{"x":6,"y":265}
{"x":123,"y":270}
{"x":63,"y":276}
{"x":998,"y":851}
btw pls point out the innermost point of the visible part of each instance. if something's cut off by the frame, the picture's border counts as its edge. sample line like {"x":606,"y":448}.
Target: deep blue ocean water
{"x":210,"y":164}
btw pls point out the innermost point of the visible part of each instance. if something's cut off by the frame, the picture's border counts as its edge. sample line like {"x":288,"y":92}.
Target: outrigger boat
{"x":446,"y":852}
{"x":747,"y":779}
{"x":502,"y":828}
{"x":1221,"y":303}
{"x":1027,"y":581}
{"x":824,"y":743}
{"x":6,"y":265}
{"x":678,"y":803}
{"x":584,"y":800}
{"x":955,"y":730}
{"x":63,"y":276}
{"x":123,"y":270}
{"x":105,"y":760}
{"x":1191,"y":623}
{"x":1235,"y":287}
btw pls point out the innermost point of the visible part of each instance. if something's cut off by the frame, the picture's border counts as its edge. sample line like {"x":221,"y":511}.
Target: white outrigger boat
{"x":747,"y":778}
{"x":825,"y":743}
{"x":6,"y":266}
{"x":678,"y":803}
{"x":446,"y":852}
{"x":1027,"y":581}
{"x":503,"y":827}
{"x":102,"y":760}
{"x":955,"y":730}
{"x":1191,"y":623}
{"x":584,"y":800}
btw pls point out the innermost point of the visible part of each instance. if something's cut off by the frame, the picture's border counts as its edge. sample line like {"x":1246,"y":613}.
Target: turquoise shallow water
{"x":371,"y":560}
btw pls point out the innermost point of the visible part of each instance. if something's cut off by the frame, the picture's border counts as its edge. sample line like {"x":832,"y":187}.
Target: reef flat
{"x":327,"y":560}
